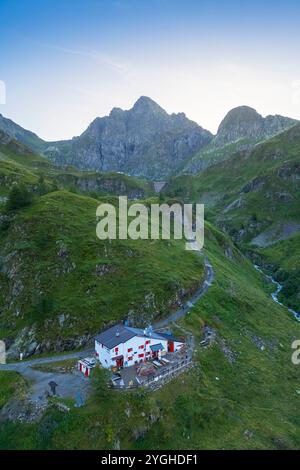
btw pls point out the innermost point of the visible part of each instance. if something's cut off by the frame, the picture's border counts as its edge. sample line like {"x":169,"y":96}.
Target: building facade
{"x":123,"y":346}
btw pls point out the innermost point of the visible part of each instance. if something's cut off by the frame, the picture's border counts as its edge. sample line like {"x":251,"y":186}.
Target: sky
{"x":65,"y":62}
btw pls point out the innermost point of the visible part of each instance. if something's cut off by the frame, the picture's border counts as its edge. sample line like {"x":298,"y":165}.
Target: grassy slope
{"x":285,"y":259}
{"x":25,"y":166}
{"x":210,"y":155}
{"x":23,"y":136}
{"x":263,"y":190}
{"x":10,"y":172}
{"x":11,"y":383}
{"x":50,"y":252}
{"x":99,"y":184}
{"x":227,"y":178}
{"x":54,"y":240}
{"x":253,"y":404}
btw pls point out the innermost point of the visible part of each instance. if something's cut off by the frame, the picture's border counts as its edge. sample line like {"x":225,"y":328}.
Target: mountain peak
{"x":245,"y":122}
{"x":143,"y":141}
{"x":115,"y":112}
{"x":144,"y":103}
{"x":237,"y":116}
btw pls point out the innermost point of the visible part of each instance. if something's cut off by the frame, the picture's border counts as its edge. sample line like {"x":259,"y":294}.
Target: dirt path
{"x":69,"y":384}
{"x":173,"y":317}
{"x":23,"y":365}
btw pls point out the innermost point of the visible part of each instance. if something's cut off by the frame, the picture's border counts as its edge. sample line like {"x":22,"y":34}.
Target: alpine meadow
{"x":149,"y":265}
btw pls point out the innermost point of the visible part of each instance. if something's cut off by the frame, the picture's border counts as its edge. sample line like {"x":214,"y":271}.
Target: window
{"x":129,"y":349}
{"x":141,"y":355}
{"x":116,"y":349}
{"x":130,"y":358}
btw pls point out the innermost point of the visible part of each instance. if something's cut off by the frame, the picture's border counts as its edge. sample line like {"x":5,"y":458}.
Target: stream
{"x":274,"y":294}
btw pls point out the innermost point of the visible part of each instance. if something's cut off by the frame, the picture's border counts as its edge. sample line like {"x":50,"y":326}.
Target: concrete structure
{"x":123,"y":346}
{"x":86,"y":365}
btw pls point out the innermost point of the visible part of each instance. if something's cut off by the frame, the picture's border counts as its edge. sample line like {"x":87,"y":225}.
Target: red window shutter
{"x":141,"y":355}
{"x":141,"y":347}
{"x":130,"y":358}
{"x":129,"y":349}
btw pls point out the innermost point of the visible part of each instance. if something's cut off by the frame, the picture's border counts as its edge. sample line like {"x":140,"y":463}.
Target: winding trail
{"x":69,"y":384}
{"x":275,"y":294}
{"x":173,"y":317}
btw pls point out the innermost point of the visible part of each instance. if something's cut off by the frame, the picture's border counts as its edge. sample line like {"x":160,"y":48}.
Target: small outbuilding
{"x":86,"y":365}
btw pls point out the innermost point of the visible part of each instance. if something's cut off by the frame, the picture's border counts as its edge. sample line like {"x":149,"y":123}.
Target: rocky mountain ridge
{"x":144,"y":141}
{"x":246,"y":122}
{"x":241,"y":129}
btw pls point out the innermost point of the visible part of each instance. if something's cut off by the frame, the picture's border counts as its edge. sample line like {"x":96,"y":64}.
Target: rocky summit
{"x":147,"y":142}
{"x":142,"y":141}
{"x":245,"y":122}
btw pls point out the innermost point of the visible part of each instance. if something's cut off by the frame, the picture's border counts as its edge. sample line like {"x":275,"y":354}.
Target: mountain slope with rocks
{"x":144,"y":141}
{"x":18,"y":164}
{"x":241,"y":393}
{"x":245,"y":122}
{"x":18,"y":133}
{"x":255,"y":197}
{"x":241,"y":129}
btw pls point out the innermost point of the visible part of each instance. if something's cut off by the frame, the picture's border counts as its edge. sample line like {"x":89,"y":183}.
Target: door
{"x":120,"y":362}
{"x":170,"y":346}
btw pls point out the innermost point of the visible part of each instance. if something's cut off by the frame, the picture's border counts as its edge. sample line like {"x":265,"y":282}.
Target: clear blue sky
{"x":64,"y":62}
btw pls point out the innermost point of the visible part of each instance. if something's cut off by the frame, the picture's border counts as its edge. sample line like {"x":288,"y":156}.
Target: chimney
{"x":117,"y":333}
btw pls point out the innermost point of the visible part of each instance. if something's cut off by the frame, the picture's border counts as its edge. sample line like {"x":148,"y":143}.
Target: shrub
{"x":100,"y":382}
{"x":42,"y":187}
{"x":19,"y":196}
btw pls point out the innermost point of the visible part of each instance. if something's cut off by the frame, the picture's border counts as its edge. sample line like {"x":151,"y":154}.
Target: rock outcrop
{"x":144,"y":141}
{"x":16,"y":132}
{"x":244,"y":122}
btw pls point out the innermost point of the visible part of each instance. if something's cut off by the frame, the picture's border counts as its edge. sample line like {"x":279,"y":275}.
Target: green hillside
{"x":19,"y":164}
{"x":61,"y":284}
{"x":243,"y":392}
{"x":255,"y":197}
{"x":211,"y":155}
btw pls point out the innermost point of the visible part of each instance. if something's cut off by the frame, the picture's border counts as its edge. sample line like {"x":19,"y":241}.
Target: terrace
{"x":153,"y":373}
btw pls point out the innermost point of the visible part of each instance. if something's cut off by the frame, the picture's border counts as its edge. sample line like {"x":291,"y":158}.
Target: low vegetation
{"x":11,"y":383}
{"x":243,"y":391}
{"x":60,"y":285}
{"x":66,"y":366}
{"x":255,"y":198}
